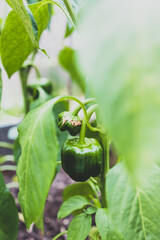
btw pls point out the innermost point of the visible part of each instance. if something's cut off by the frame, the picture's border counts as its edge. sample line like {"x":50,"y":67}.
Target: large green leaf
{"x":50,"y":9}
{"x":0,"y":32}
{"x":37,"y":164}
{"x":20,"y":45}
{"x":67,"y":58}
{"x":16,"y":150}
{"x":8,"y":214}
{"x":79,"y":227}
{"x":135,"y":208}
{"x":71,"y":204}
{"x":16,"y":44}
{"x":0,"y":87}
{"x":120,"y":55}
{"x":84,"y":189}
{"x":27,"y":18}
{"x":105,"y":225}
{"x":61,"y":136}
{"x":2,"y":183}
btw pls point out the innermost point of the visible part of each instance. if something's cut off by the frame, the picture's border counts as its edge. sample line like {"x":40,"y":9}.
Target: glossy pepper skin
{"x":69,"y":122}
{"x":81,"y":162}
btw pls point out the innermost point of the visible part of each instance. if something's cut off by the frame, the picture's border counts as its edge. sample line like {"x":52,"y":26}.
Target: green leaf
{"x":16,"y":37}
{"x":51,"y":12}
{"x":37,"y":164}
{"x":61,"y":136}
{"x":135,"y":208}
{"x":79,"y":227}
{"x":91,"y":210}
{"x":83,"y":189}
{"x":0,"y":87}
{"x":105,"y":225}
{"x":77,"y":6}
{"x":122,"y":66}
{"x":73,"y":203}
{"x":41,"y":15}
{"x":59,"y":107}
{"x":8,"y":214}
{"x":69,"y":29}
{"x":16,"y":150}
{"x":20,"y":44}
{"x":39,"y":222}
{"x":33,"y":1}
{"x":0,"y":32}
{"x":42,"y":98}
{"x":67,"y":58}
{"x":27,"y":19}
{"x":2,"y":183}
{"x":94,"y":234}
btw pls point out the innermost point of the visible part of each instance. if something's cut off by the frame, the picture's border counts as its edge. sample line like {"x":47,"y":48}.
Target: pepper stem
{"x":87,"y":101}
{"x":93,"y":129}
{"x":82,"y":132}
{"x":105,"y":169}
{"x":30,"y":63}
{"x":90,"y":111}
{"x":23,"y":72}
{"x":59,"y":235}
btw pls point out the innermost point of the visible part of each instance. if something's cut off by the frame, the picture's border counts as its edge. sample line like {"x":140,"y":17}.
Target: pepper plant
{"x":117,"y":67}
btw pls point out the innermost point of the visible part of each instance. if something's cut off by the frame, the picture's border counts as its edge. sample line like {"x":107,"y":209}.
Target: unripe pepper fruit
{"x":69,"y":122}
{"x":81,"y":162}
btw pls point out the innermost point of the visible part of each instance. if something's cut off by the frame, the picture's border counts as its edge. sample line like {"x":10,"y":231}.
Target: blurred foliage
{"x":67,"y":58}
{"x":77,"y":6}
{"x":122,"y":68}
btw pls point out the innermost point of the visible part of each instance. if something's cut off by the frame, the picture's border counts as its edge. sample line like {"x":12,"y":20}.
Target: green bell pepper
{"x":81,"y":162}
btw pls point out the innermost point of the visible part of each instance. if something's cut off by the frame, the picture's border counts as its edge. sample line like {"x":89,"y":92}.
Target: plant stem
{"x":87,"y":101}
{"x":90,"y":111}
{"x":23,"y":77}
{"x":59,"y":235}
{"x":93,"y":129}
{"x":105,"y":169}
{"x":71,"y":12}
{"x":59,"y":163}
{"x":24,"y":72}
{"x":30,"y":63}
{"x":6,"y":145}
{"x":82,"y":132}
